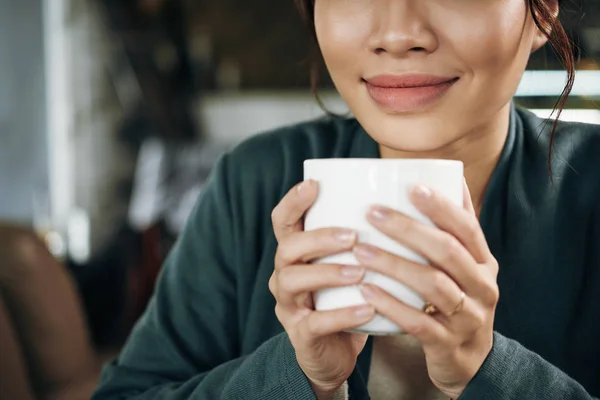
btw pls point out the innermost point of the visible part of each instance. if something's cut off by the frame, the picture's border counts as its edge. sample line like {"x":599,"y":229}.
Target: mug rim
{"x":382,"y":161}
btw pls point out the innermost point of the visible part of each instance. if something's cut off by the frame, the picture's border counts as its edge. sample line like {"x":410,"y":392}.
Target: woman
{"x":424,"y":78}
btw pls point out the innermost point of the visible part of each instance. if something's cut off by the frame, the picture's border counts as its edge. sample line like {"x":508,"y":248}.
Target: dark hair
{"x":544,"y":19}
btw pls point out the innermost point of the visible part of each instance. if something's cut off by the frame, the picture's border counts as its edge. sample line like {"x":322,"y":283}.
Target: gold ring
{"x":459,"y":307}
{"x":430,"y":309}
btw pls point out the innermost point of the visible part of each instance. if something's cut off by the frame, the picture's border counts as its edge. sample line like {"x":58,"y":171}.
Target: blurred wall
{"x":100,"y":164}
{"x":23,"y":144}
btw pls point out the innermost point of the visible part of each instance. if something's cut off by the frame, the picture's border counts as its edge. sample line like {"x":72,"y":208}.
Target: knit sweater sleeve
{"x":513,"y":372}
{"x":186,"y":345}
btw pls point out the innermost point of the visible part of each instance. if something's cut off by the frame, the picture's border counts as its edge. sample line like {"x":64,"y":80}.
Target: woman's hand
{"x":460,"y":284}
{"x":326,"y":354}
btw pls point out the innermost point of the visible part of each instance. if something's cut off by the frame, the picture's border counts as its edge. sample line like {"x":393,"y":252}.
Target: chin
{"x":419,"y":133}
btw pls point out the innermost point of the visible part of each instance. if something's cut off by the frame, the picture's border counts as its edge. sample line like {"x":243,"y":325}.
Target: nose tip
{"x":402,"y":29}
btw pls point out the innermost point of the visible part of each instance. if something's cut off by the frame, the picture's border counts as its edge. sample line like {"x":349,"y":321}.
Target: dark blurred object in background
{"x":45,"y":348}
{"x":152,"y":37}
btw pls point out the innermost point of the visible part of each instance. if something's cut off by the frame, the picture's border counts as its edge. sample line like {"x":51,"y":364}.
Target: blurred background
{"x":112,"y":113}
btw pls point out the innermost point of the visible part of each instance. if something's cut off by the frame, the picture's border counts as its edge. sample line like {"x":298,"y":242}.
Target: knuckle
{"x":315,"y":240}
{"x":328,"y":274}
{"x":472,"y":228}
{"x":494,"y":296}
{"x":438,"y":281}
{"x":276,"y":215}
{"x":312,"y":327}
{"x":491,"y":293}
{"x":480,"y":282}
{"x":479,"y":318}
{"x":406,"y":226}
{"x":413,"y":327}
{"x":388,"y":264}
{"x":451,"y":250}
{"x":495,"y":267}
{"x":285,"y":282}
{"x":285,"y":255}
{"x":273,"y":284}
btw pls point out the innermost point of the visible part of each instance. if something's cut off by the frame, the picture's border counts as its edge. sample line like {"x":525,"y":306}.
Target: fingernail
{"x":379,"y":213}
{"x":368,"y":292}
{"x":364,"y":311}
{"x":303,"y":186}
{"x":345,"y":236}
{"x":365,"y":252}
{"x":352,"y":271}
{"x":421,"y":192}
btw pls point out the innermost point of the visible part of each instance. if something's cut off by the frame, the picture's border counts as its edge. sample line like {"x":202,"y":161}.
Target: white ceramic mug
{"x":347,"y":189}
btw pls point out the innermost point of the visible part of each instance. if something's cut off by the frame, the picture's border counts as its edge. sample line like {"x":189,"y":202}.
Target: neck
{"x":479,"y":150}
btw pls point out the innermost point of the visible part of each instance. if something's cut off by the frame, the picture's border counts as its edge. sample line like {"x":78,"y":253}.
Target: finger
{"x":287,"y":215}
{"x":469,"y":318}
{"x":415,"y":322}
{"x":318,"y":324}
{"x":432,"y":284}
{"x":307,"y":246}
{"x":297,"y":280}
{"x":440,"y":248}
{"x":453,"y":219}
{"x":429,"y":282}
{"x":467,"y":200}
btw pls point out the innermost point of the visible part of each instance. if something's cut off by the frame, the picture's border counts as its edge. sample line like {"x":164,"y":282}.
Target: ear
{"x":539,"y":38}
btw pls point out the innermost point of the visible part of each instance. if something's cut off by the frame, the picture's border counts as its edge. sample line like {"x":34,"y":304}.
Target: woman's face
{"x":421,"y":74}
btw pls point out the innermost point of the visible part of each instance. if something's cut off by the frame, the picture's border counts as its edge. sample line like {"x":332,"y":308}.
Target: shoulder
{"x":575,"y":146}
{"x":574,"y":182}
{"x":277,"y":156}
{"x":573,"y":141}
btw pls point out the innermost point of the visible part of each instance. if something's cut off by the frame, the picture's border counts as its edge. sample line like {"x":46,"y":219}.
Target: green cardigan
{"x":210,"y":331}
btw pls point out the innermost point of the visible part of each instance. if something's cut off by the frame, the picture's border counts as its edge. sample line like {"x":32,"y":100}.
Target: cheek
{"x":494,"y":40}
{"x":342,"y":33}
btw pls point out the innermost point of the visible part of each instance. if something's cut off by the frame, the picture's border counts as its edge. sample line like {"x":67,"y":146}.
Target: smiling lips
{"x":408,"y":92}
